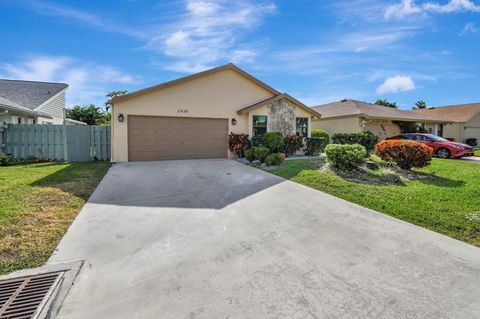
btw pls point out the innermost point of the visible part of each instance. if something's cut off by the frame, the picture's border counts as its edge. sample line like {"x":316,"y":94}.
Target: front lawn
{"x":443,"y":197}
{"x":37,"y":204}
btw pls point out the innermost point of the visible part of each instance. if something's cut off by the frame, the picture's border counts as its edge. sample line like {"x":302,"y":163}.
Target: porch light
{"x":234,"y":122}
{"x":120,"y":117}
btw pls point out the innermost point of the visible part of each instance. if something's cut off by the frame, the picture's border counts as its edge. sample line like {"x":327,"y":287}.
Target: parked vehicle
{"x":441,"y":147}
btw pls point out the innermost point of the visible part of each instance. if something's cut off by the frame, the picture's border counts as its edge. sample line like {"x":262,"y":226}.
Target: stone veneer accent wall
{"x":281,"y":117}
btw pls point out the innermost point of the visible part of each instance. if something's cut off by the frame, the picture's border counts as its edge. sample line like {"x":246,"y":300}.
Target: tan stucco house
{"x":356,"y":116}
{"x":191,"y":117}
{"x":464,"y":118}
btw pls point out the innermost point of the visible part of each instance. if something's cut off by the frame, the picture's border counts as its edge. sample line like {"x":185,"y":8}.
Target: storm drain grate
{"x":22,"y":298}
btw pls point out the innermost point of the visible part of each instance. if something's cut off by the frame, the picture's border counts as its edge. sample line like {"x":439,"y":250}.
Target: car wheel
{"x":443,"y":153}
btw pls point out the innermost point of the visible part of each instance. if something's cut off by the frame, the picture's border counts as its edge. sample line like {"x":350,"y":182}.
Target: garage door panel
{"x":167,"y":138}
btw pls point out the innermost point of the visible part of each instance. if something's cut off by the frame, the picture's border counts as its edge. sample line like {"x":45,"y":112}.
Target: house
{"x":465,"y":120}
{"x":356,"y":116}
{"x":191,"y":117}
{"x":30,"y":102}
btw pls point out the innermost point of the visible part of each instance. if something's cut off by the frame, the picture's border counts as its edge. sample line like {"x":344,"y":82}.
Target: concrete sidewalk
{"x":218,"y":239}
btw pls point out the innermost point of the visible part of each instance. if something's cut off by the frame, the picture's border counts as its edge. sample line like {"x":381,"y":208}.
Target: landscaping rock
{"x":391,"y":178}
{"x":371,"y":165}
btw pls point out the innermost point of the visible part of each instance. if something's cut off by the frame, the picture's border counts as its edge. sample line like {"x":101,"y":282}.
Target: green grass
{"x":477,"y":152}
{"x":37,"y":205}
{"x":443,"y":197}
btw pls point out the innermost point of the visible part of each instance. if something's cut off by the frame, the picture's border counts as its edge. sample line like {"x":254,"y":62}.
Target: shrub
{"x":345,"y":156}
{"x":256,"y":141}
{"x":406,"y":154}
{"x":260,"y":153}
{"x":367,"y":139}
{"x":318,"y":133}
{"x":249,"y":155}
{"x":237,"y":143}
{"x":273,"y":140}
{"x":275,"y":159}
{"x":314,"y":146}
{"x":471,"y":141}
{"x":6,"y":160}
{"x":292,"y":143}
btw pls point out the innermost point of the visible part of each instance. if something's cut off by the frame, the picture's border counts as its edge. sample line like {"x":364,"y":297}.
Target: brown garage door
{"x":152,"y":138}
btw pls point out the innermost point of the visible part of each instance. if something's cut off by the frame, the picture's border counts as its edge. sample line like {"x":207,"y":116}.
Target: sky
{"x":317,"y":51}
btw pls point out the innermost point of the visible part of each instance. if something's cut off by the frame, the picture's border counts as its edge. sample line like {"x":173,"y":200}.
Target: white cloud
{"x":470,"y":28}
{"x":409,"y":7}
{"x":208,"y":32}
{"x":100,"y":21}
{"x":88,"y":83}
{"x":395,"y":84}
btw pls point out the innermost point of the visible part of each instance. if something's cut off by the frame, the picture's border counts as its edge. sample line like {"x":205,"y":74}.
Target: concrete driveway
{"x":217,"y":239}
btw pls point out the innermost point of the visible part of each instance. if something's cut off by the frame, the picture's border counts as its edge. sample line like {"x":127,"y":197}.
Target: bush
{"x":471,"y":141}
{"x":292,"y":143}
{"x":314,"y":146}
{"x":406,"y":154}
{"x":275,"y":159}
{"x":237,"y":143}
{"x":318,"y":133}
{"x":367,"y":139}
{"x":256,"y":141}
{"x":345,"y":156}
{"x":273,"y":140}
{"x":260,"y":153}
{"x":249,"y":155}
{"x":6,"y":160}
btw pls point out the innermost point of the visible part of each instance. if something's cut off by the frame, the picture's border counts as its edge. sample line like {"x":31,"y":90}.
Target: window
{"x":259,"y":125}
{"x":19,"y":120}
{"x":421,"y":138}
{"x":302,"y":126}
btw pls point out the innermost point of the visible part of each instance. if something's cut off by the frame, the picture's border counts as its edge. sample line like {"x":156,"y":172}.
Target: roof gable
{"x":198,"y":75}
{"x":29,"y":94}
{"x":455,"y":113}
{"x":276,"y":98}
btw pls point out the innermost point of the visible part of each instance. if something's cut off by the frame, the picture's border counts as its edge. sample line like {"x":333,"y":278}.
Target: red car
{"x":443,"y":148}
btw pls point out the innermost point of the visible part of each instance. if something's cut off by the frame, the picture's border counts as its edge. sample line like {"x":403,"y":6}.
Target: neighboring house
{"x":73,"y":122}
{"x":465,"y":118}
{"x":30,"y":102}
{"x":355,"y":116}
{"x":191,"y":117}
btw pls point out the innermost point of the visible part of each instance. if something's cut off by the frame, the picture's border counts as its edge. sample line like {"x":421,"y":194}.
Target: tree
{"x":111,"y":95}
{"x":420,"y":105}
{"x":90,"y":114}
{"x":386,"y":103}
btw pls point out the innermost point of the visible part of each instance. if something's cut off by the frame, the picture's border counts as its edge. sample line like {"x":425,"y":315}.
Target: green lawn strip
{"x":444,"y":200}
{"x":37,"y":204}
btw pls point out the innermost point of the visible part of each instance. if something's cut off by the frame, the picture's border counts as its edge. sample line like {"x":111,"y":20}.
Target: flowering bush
{"x":406,"y":154}
{"x":237,"y":143}
{"x":292,"y":143}
{"x":345,"y":156}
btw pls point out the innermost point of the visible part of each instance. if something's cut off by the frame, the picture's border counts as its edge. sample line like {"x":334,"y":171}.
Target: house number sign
{"x":184,"y":111}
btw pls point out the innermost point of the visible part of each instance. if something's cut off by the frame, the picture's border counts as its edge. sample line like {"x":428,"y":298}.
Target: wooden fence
{"x":69,"y":143}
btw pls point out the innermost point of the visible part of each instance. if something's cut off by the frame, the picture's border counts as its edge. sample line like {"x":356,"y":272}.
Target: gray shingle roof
{"x":29,"y":94}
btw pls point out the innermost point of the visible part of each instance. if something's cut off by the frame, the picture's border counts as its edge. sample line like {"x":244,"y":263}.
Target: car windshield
{"x":437,"y":138}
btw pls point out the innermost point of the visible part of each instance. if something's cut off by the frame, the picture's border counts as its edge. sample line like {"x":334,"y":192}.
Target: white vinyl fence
{"x":69,"y":143}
